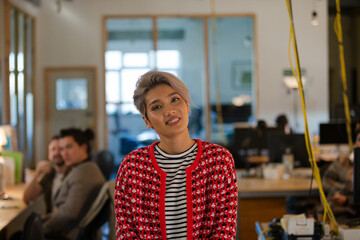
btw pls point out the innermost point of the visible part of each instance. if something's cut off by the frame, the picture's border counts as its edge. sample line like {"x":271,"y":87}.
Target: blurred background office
{"x":80,"y":62}
{"x":74,"y":63}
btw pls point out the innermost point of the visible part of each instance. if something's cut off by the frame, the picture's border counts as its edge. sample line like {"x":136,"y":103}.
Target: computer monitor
{"x":242,"y":137}
{"x":279,"y":142}
{"x":335,"y":133}
{"x":231,"y":113}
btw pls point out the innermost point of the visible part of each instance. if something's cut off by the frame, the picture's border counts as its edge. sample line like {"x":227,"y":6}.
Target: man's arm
{"x":34,"y":189}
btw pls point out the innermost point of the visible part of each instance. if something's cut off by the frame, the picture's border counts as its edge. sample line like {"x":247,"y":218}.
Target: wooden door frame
{"x":47,"y":72}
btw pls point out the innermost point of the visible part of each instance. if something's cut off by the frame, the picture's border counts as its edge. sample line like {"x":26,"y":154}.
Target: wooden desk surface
{"x":260,"y":187}
{"x":265,"y":199}
{"x":11,"y":208}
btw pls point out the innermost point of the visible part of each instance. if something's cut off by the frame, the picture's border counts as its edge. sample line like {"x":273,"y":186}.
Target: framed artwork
{"x":242,"y":76}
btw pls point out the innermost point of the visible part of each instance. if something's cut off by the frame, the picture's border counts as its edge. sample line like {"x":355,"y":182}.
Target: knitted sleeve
{"x":123,"y":212}
{"x":225,"y":227}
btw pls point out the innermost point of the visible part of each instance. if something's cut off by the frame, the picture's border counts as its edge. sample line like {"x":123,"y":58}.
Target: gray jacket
{"x":78,"y":189}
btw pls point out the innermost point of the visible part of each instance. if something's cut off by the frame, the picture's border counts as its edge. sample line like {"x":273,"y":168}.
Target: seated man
{"x":338,"y":184}
{"x":79,"y":187}
{"x":48,"y":176}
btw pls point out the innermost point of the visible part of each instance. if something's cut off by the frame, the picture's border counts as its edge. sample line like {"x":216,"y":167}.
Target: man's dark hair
{"x":55,"y":137}
{"x":81,"y":137}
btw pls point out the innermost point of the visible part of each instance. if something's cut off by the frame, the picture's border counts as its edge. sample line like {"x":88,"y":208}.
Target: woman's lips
{"x":173,"y":121}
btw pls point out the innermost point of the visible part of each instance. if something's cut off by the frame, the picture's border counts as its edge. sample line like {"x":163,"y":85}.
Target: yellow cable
{"x":297,"y":74}
{"x":263,"y":232}
{"x":324,"y":217}
{"x":216,"y":79}
{"x":338,"y":32}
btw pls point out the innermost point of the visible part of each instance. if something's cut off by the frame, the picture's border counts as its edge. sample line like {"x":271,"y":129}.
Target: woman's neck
{"x":176,"y":145}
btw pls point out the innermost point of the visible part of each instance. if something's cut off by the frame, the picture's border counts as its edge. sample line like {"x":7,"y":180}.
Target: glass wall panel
{"x":181,"y":51}
{"x":130,"y":43}
{"x":231,"y":74}
{"x":12,"y":68}
{"x":20,"y":79}
{"x":181,"y":48}
{"x":29,"y":100}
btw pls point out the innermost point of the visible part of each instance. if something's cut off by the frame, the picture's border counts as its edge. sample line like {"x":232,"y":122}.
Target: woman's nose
{"x":169,"y":110}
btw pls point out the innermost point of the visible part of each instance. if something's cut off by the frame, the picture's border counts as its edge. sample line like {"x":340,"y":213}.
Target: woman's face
{"x":167,"y":112}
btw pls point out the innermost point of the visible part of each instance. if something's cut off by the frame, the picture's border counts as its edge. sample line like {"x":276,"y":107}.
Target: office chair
{"x":105,"y":160}
{"x":99,"y":213}
{"x":33,"y":229}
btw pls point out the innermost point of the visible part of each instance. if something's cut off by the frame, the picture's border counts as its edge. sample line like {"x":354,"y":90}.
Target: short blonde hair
{"x":152,"y":79}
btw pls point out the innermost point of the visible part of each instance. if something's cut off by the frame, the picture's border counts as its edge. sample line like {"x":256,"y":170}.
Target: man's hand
{"x":42,"y":168}
{"x":339,"y":199}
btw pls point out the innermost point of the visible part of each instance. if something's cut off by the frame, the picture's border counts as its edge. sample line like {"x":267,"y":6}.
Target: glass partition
{"x":20,"y":78}
{"x":129,"y":54}
{"x":213,"y":56}
{"x":180,"y":48}
{"x":232,"y":84}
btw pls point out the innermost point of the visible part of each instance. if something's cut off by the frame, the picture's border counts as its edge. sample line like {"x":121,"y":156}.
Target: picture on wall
{"x":241,"y":75}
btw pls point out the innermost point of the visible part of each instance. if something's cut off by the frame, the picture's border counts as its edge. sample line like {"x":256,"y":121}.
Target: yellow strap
{"x":338,"y":32}
{"x":263,"y":232}
{"x":216,"y":73}
{"x":297,"y":74}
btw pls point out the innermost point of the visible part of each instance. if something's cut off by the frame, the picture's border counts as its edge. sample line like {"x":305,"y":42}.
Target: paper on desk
{"x":301,"y":226}
{"x":285,"y":220}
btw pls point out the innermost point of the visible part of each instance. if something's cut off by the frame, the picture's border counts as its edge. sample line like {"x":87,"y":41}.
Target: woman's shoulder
{"x":140,"y":152}
{"x":140,"y":156}
{"x":209,"y":146}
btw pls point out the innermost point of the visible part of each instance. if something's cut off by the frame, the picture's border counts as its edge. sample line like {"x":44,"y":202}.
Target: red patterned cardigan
{"x":211,"y":195}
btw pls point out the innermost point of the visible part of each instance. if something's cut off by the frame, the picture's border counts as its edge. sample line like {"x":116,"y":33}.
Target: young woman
{"x":178,"y":188}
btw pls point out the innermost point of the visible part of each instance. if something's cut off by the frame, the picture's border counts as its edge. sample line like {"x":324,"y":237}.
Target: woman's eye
{"x":156,"y":107}
{"x":175,"y":99}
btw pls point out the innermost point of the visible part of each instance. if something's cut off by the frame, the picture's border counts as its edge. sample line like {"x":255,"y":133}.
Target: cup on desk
{"x":273,"y":171}
{"x":29,"y":175}
{"x":288,"y":162}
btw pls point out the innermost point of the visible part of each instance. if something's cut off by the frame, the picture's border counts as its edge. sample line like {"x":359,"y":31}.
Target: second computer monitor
{"x":279,"y":142}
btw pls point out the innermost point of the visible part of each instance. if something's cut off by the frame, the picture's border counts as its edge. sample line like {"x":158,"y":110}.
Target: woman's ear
{"x":147,"y":122}
{"x":188,"y":106}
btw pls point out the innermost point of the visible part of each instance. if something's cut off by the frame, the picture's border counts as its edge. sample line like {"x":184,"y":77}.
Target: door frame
{"x":47,"y":72}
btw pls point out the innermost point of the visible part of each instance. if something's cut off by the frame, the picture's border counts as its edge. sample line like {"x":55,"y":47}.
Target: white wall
{"x":73,"y":37}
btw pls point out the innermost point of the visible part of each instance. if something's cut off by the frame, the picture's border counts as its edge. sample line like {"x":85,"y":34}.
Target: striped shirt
{"x":175,"y":197}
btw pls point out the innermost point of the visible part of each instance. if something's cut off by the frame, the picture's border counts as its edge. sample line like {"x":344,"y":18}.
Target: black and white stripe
{"x":175,"y":198}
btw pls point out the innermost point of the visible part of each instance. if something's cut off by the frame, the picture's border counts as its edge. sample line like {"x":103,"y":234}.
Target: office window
{"x":20,"y":74}
{"x":121,"y":78}
{"x":71,"y":94}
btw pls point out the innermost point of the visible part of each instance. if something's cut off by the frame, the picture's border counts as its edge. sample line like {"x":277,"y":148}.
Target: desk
{"x":265,"y":199}
{"x":258,"y":159}
{"x":13,"y":213}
